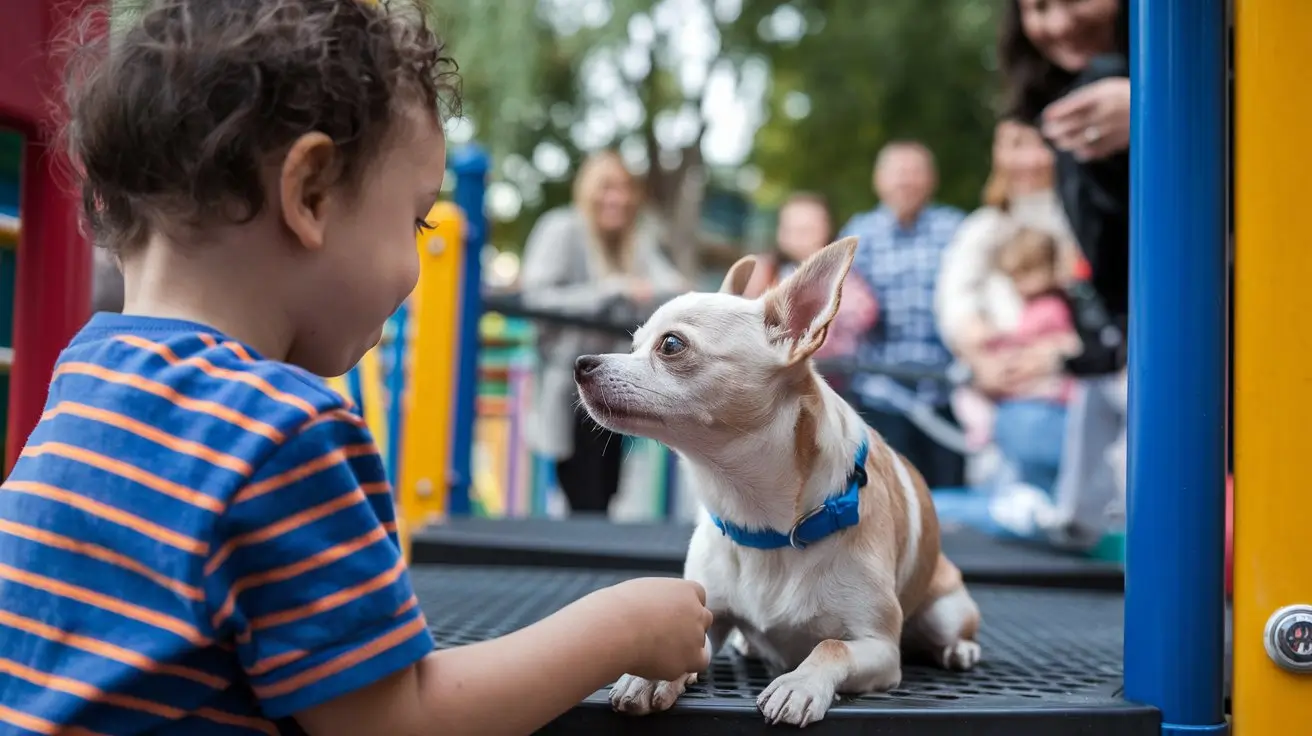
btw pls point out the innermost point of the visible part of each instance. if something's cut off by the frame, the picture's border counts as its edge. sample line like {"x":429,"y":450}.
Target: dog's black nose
{"x":585,"y":366}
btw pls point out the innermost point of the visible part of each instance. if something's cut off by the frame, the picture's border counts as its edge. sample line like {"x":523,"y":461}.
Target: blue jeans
{"x":1029,"y":435}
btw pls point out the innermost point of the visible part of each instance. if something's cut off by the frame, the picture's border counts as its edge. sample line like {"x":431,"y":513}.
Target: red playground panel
{"x":52,"y":288}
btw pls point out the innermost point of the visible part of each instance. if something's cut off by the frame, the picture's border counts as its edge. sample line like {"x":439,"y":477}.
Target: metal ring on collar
{"x":793,"y":541}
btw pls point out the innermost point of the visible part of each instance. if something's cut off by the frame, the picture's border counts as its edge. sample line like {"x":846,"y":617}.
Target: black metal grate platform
{"x":597,"y":544}
{"x":1051,"y":664}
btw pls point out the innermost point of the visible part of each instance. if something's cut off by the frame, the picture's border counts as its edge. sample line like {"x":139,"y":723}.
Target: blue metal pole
{"x":1174,"y":596}
{"x":396,"y":385}
{"x":471,"y":165}
{"x":356,"y":388}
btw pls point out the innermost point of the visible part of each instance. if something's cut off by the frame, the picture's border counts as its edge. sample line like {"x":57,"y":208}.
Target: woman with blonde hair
{"x":583,"y":259}
{"x":977,"y":304}
{"x":973,"y":302}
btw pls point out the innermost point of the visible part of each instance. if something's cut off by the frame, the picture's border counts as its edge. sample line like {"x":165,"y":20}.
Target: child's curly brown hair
{"x":172,"y":119}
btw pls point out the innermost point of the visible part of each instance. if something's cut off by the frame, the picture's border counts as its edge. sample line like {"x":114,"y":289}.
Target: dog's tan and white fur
{"x":726,"y":381}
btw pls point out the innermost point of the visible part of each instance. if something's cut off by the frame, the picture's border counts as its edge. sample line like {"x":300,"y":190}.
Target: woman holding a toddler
{"x":1000,"y":298}
{"x":1067,"y":78}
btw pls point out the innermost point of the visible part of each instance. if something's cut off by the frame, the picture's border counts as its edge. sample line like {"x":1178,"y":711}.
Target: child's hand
{"x":668,"y":619}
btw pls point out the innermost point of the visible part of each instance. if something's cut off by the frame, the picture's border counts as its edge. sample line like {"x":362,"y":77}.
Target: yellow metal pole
{"x":371,"y":392}
{"x":426,"y":447}
{"x":338,"y":384}
{"x":1273,"y":353}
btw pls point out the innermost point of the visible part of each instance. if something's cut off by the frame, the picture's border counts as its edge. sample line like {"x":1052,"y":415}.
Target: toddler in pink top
{"x":1031,"y":261}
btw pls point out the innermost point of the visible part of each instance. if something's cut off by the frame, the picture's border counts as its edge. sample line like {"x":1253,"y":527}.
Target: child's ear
{"x":740,"y":274}
{"x":304,"y":183}
{"x":801,"y":309}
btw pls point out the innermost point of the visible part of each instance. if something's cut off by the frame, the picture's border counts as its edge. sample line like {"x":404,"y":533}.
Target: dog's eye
{"x":672,"y":345}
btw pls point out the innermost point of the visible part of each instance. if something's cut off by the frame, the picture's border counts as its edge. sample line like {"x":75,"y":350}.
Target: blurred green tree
{"x":817,"y":86}
{"x":841,"y":77}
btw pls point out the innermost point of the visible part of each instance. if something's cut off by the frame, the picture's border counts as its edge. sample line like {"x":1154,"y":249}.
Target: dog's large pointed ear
{"x":739,"y":276}
{"x":800,"y":309}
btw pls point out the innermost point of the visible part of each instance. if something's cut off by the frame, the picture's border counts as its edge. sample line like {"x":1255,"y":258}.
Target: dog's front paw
{"x":796,"y":698}
{"x":637,"y":696}
{"x":961,"y":655}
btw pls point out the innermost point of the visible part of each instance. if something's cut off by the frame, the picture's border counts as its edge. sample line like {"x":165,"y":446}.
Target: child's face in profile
{"x":1033,"y":278}
{"x":368,"y":262}
{"x":803,"y":229}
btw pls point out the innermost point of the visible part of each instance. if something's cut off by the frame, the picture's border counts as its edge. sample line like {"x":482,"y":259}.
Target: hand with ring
{"x":1093,"y":121}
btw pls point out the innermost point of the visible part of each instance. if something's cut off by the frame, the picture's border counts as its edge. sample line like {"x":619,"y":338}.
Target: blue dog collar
{"x":837,"y":513}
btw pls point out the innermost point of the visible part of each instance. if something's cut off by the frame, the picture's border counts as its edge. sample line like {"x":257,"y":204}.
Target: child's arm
{"x":307,"y":584}
{"x":515,"y":684}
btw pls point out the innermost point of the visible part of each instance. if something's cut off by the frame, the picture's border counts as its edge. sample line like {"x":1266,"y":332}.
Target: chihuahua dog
{"x":819,"y":547}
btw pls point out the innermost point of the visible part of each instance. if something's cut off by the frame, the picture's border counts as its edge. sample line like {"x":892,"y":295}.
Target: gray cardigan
{"x":562,"y":273}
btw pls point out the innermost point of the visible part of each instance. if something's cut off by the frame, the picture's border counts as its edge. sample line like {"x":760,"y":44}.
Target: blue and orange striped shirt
{"x":194,"y":541}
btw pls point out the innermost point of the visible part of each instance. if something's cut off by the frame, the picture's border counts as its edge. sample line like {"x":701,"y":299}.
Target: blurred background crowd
{"x":978,"y":150}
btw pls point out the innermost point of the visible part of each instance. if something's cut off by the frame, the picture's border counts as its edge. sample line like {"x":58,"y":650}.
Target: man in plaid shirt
{"x":901,"y":244}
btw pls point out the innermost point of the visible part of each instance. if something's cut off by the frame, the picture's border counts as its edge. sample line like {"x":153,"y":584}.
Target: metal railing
{"x":621,"y":318}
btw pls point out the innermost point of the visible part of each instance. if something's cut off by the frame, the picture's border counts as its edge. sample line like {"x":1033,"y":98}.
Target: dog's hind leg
{"x":945,"y":626}
{"x":804,"y":695}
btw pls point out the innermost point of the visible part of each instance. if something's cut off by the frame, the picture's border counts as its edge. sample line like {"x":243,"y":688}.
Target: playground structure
{"x":1175,"y":629}
{"x":1175,"y":624}
{"x":51,"y":288}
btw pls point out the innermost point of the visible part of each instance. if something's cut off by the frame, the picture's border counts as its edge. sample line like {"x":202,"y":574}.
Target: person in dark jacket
{"x":1066,"y":71}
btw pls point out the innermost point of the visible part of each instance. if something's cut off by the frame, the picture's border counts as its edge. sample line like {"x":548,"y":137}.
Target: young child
{"x":1032,"y":262}
{"x":806,"y":226}
{"x":199,"y":536}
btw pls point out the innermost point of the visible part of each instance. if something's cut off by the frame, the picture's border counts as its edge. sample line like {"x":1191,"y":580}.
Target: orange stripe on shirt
{"x":145,"y":431}
{"x":88,"y":692}
{"x":339,"y":415}
{"x":334,"y":600}
{"x":208,"y":339}
{"x":342,"y":662}
{"x":287,"y":572}
{"x":405,"y":607}
{"x":126,"y":470}
{"x":377,"y":488}
{"x":239,"y":350}
{"x":214,"y":409}
{"x":94,"y":694}
{"x":109,"y":513}
{"x":103,"y":554}
{"x":231,"y":719}
{"x":31,"y":723}
{"x":250,"y":379}
{"x":109,"y":651}
{"x":269,"y":664}
{"x":100,"y":600}
{"x":263,"y":534}
{"x":323,"y":462}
